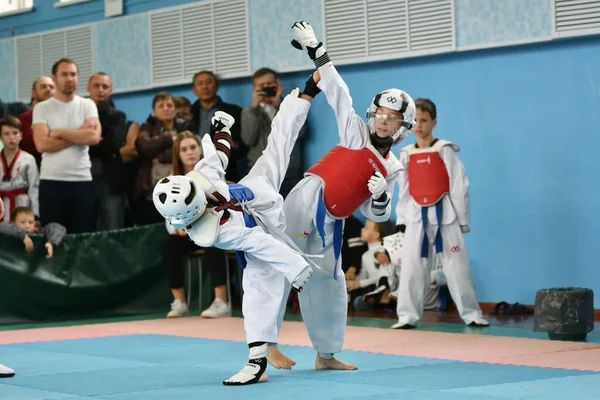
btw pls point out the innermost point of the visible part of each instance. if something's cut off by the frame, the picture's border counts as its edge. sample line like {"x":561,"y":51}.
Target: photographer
{"x":256,"y":125}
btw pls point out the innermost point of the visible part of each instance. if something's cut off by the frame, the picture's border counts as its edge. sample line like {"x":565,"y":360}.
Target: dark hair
{"x":177,"y":164}
{"x":98,"y":74}
{"x":65,"y":61}
{"x":262,"y":72}
{"x":162,"y":96}
{"x":427,"y":106}
{"x":181,"y":101}
{"x":384,"y":228}
{"x":19,"y":210}
{"x":11,"y":121}
{"x":204,"y":72}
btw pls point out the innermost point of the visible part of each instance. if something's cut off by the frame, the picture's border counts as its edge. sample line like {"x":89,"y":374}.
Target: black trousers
{"x":70,"y":204}
{"x":176,"y":248}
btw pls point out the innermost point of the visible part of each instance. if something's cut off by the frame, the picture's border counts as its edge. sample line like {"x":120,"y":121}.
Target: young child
{"x":389,"y":256}
{"x":370,"y":273}
{"x":187,"y":152}
{"x":359,"y":173}
{"x":22,"y":224}
{"x":5,"y":372}
{"x":434,"y":205}
{"x":247,"y":217}
{"x":20,"y":176}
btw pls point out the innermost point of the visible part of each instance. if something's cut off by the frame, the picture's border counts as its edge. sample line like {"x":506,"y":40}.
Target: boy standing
{"x":20,"y":175}
{"x":434,"y":205}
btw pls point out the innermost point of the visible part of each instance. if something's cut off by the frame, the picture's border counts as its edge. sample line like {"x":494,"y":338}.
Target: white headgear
{"x":397,"y":100}
{"x":179,"y":200}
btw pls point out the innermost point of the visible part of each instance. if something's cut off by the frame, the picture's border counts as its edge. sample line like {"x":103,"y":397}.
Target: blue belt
{"x":439,"y":244}
{"x":241,"y":193}
{"x":338,"y":231}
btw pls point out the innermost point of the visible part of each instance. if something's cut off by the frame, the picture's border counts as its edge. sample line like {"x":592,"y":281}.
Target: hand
{"x":377,"y":185}
{"x":465,"y":228}
{"x":352,"y":285}
{"x":306,"y":36}
{"x":50,"y":249}
{"x":222,"y":122}
{"x":258,"y":96}
{"x":1,"y":208}
{"x":88,"y":124}
{"x":28,"y":244}
{"x":351,"y":274}
{"x":308,"y":42}
{"x":382,"y":258}
{"x":181,"y":232}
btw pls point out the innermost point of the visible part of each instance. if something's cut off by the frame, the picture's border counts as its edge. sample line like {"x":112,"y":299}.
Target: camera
{"x":270,"y":91}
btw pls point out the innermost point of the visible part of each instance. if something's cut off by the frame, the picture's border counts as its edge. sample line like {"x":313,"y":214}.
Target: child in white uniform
{"x":247,"y":217}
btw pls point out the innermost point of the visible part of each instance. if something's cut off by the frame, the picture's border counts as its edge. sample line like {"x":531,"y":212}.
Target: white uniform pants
{"x":324,"y":300}
{"x":415,"y":276}
{"x":264,"y":285}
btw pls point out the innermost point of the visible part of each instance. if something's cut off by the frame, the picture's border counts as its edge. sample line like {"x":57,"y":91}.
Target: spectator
{"x":154,"y":145}
{"x":22,"y":224}
{"x":205,"y":87}
{"x":20,"y":175}
{"x":64,"y":126}
{"x":108,"y":175}
{"x":256,"y":125}
{"x":42,"y":89}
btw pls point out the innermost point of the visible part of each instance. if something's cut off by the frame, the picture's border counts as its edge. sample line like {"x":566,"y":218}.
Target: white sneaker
{"x":402,"y":325}
{"x":479,"y":323}
{"x":6,"y":372}
{"x":178,"y":309}
{"x":218,"y":309}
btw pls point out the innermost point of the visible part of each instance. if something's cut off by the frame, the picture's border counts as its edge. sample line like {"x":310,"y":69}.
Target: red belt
{"x":12,"y":196}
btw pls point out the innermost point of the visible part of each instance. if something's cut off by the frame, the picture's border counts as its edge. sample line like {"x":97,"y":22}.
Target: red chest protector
{"x":428,"y":179}
{"x":345,"y":173}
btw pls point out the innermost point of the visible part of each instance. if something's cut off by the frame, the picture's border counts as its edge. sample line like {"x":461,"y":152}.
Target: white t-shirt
{"x":71,"y":164}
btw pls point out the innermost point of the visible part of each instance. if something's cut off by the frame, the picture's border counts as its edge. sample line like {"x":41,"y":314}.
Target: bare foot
{"x":279,"y":360}
{"x":323,"y":363}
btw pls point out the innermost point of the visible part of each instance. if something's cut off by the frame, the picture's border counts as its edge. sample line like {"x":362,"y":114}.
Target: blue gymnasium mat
{"x":153,"y":367}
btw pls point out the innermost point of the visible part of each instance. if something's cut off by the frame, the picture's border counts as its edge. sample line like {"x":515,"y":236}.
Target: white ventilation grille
{"x":167,"y":46}
{"x":29,"y":64}
{"x":430,"y":24}
{"x":36,"y":54}
{"x":378,"y":29}
{"x":80,"y":49}
{"x":198,"y":52}
{"x":231,"y":37}
{"x":345,"y":28}
{"x":388,"y":31}
{"x":577,"y":16}
{"x":209,"y":36}
{"x":54,"y":47}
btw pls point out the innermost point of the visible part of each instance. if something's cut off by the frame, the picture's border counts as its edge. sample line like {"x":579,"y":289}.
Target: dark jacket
{"x":238,"y":164}
{"x":106,"y":155}
{"x":152,"y":143}
{"x":14,"y":109}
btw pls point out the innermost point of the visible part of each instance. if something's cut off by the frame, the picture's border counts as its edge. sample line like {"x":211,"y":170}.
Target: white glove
{"x":306,"y":36}
{"x":222,"y":122}
{"x":377,"y":185}
{"x":308,"y":42}
{"x":465,"y":228}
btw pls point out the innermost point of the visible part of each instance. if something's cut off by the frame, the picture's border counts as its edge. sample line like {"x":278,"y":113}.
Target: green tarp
{"x":105,"y":274}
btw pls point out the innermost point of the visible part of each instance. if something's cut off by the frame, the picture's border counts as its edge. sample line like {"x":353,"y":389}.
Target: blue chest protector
{"x":242,"y":193}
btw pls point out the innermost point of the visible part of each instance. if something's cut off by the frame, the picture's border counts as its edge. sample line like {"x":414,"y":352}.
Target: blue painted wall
{"x":513,"y":112}
{"x":525,"y":117}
